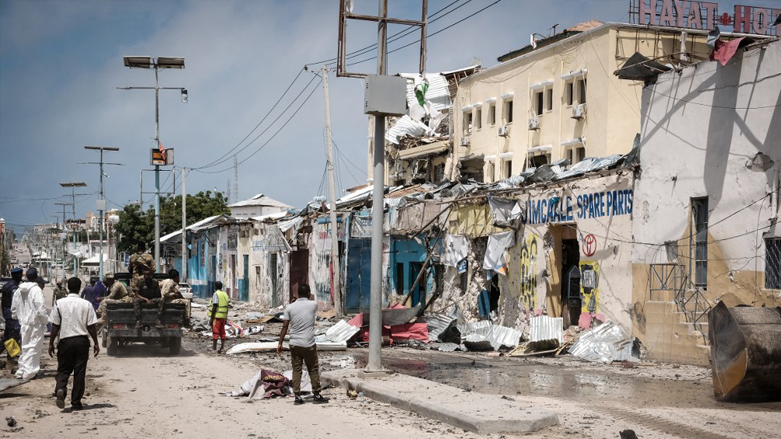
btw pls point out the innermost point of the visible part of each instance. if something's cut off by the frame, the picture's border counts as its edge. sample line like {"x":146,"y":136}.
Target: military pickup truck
{"x":121,"y":330}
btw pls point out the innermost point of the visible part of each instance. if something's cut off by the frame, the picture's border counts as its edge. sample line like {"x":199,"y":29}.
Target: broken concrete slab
{"x":471,"y":411}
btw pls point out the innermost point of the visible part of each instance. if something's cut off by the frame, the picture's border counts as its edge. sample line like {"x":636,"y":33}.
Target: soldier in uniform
{"x":117,"y":293}
{"x":149,"y":296}
{"x":169,"y":288}
{"x":59,"y":292}
{"x":140,"y":263}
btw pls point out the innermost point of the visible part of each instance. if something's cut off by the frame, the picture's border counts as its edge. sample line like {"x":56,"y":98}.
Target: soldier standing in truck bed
{"x":140,"y":263}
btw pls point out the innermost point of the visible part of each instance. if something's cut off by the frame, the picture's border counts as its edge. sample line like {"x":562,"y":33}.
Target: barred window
{"x":773,"y":263}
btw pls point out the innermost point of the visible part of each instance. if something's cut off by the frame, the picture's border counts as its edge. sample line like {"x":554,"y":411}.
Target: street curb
{"x":533,"y":420}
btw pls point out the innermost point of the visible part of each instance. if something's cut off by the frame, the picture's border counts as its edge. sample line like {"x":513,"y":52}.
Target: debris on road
{"x":265,"y":384}
{"x":606,"y":343}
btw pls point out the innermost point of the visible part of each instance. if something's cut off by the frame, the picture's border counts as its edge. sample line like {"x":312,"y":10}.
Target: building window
{"x":537,"y":160}
{"x":467,"y":122}
{"x":538,"y":103}
{"x":773,"y":263}
{"x":699,"y":242}
{"x":489,"y":172}
{"x":478,"y":117}
{"x":507,"y":111}
{"x":576,"y":154}
{"x":508,"y":168}
{"x":492,"y":114}
{"x":569,"y":92}
{"x":549,"y":99}
{"x":582,"y":91}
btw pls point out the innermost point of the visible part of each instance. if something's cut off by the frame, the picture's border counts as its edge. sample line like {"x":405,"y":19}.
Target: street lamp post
{"x":148,"y":62}
{"x":102,"y":201}
{"x":73,"y":186}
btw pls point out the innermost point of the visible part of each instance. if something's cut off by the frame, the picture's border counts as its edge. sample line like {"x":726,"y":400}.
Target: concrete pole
{"x":184,"y":226}
{"x":100,"y":220}
{"x":335,"y":266}
{"x":157,"y":171}
{"x":378,"y":209}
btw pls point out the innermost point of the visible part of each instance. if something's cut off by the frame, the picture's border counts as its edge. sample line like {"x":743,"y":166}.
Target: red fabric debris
{"x":410,"y":331}
{"x":724,"y":51}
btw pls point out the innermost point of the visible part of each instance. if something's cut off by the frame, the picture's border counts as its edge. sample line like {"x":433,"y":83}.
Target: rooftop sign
{"x":688,"y":14}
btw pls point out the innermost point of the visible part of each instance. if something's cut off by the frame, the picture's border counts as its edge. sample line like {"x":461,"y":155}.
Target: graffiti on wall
{"x":567,"y":208}
{"x":589,"y":287}
{"x":529,"y":272}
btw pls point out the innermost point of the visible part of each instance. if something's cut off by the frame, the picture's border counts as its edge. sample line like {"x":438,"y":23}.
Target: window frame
{"x":467,"y":122}
{"x":773,"y":272}
{"x":539,"y":102}
{"x":508,"y":109}
{"x":698,"y":242}
{"x":582,"y":89}
{"x":477,"y":119}
{"x":569,"y":92}
{"x":492,"y":114}
{"x":548,"y":99}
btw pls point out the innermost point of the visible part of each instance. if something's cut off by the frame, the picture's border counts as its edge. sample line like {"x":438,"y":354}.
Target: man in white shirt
{"x":73,"y":319}
{"x":300,"y":316}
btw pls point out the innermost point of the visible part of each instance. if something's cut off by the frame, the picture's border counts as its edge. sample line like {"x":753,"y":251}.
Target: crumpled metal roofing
{"x":546,"y":328}
{"x":436,"y":324}
{"x":589,"y":164}
{"x":484,"y":331}
{"x":406,"y":126}
{"x":338,"y":333}
{"x":605,"y":343}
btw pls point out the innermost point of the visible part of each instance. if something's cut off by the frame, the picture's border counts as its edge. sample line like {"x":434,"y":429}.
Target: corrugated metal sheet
{"x":481,"y":333}
{"x":504,"y":336}
{"x":438,"y":92}
{"x":338,"y":333}
{"x":406,"y":126}
{"x":605,"y":343}
{"x":546,"y":328}
{"x":436,"y":324}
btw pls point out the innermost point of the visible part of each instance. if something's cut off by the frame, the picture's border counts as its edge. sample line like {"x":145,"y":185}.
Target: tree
{"x":137,"y":227}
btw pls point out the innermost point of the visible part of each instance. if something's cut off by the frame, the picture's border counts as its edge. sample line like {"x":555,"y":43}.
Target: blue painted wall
{"x":409,"y":253}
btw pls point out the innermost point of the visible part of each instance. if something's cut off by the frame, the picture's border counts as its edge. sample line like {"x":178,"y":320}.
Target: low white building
{"x":707,"y":202}
{"x":259,"y":205}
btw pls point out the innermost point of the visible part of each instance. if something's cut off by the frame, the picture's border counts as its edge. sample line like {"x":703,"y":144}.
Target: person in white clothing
{"x":28,"y":307}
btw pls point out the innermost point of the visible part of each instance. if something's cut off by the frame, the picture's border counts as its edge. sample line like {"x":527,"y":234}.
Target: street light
{"x":102,"y":201}
{"x":73,"y":186}
{"x":162,"y":62}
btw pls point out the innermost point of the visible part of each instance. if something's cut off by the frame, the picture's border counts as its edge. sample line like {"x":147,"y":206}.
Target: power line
{"x":431,"y":34}
{"x":267,"y":141}
{"x":261,"y":121}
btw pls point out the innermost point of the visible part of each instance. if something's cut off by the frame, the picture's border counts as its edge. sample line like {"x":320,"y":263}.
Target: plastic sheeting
{"x":495,"y":258}
{"x":506,"y":212}
{"x":456,"y":249}
{"x":589,"y":164}
{"x":605,"y":343}
{"x":544,"y":328}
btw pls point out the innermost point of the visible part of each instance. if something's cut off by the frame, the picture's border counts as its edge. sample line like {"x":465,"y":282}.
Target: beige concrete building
{"x":559,"y":99}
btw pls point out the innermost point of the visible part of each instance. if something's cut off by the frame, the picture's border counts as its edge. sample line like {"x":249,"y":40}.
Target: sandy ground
{"x":147,"y":393}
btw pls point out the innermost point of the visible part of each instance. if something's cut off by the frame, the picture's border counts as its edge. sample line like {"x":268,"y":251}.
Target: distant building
{"x":259,"y":205}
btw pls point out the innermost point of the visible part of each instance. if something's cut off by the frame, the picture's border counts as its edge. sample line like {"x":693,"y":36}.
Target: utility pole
{"x":62,"y":265}
{"x":236,"y":198}
{"x":73,"y":186}
{"x":184,"y":225}
{"x":335,"y":266}
{"x":101,"y":199}
{"x":379,"y":110}
{"x":378,"y":206}
{"x":147,"y":62}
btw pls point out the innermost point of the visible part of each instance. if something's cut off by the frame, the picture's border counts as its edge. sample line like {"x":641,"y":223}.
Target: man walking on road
{"x":218,"y":316}
{"x":29,"y":309}
{"x":299,"y":317}
{"x":73,"y":319}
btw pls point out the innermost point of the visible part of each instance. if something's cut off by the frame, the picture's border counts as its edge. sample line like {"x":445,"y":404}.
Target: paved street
{"x":591,"y":400}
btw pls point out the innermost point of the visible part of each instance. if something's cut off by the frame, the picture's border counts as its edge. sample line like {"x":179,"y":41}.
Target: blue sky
{"x":61,"y":61}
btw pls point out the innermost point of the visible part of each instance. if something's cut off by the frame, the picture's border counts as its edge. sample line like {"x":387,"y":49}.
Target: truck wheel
{"x":111,"y":346}
{"x":175,"y":345}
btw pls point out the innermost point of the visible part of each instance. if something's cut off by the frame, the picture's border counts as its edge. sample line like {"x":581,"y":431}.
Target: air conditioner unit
{"x":465,"y":141}
{"x":504,"y":131}
{"x":579,"y":111}
{"x":534,"y":124}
